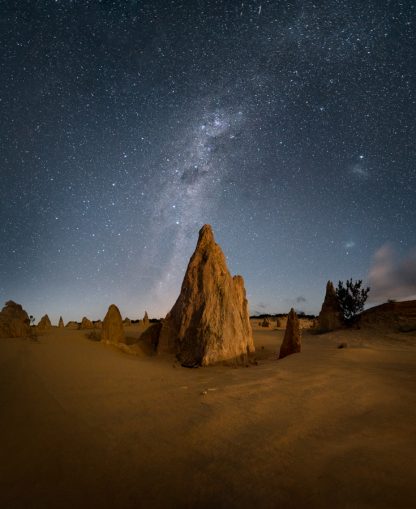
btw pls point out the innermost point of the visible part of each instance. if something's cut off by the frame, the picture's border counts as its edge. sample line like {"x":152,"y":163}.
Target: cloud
{"x":360,"y":171}
{"x":300,"y":299}
{"x":261,"y":305}
{"x":391,"y":277}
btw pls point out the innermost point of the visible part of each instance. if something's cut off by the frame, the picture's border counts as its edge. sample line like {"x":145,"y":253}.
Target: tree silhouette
{"x":352,"y":298}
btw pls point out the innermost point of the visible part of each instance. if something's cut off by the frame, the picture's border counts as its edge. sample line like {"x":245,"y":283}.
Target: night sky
{"x":126,"y":125}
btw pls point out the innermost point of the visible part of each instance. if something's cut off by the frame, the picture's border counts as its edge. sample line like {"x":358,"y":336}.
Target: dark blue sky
{"x":125,"y":126}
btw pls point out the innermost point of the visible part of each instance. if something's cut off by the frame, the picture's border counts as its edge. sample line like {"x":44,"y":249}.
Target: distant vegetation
{"x":300,"y":314}
{"x":351,"y":297}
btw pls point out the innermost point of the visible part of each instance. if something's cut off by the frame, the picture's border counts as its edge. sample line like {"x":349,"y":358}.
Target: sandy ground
{"x":85,"y":425}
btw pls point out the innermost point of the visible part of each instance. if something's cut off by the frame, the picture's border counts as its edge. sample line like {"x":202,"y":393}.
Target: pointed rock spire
{"x":146,"y":319}
{"x":44,"y":323}
{"x":209,"y":323}
{"x":292,"y":338}
{"x":61,"y":322}
{"x":330,"y":317}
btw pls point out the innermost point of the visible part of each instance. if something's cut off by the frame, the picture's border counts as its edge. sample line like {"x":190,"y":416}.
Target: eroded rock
{"x":292,"y":338}
{"x":209,"y":323}
{"x":14,"y":321}
{"x":86,"y":323}
{"x":330,"y":317}
{"x":112,"y":329}
{"x":44,"y":323}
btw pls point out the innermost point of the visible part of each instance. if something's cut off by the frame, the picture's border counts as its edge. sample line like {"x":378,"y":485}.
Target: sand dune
{"x":85,"y":425}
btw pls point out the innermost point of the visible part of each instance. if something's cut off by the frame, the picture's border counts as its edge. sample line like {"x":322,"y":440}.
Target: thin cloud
{"x":391,"y":277}
{"x":360,"y":171}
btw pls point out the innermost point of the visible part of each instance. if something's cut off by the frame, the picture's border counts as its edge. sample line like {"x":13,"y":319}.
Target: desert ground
{"x":84,"y":424}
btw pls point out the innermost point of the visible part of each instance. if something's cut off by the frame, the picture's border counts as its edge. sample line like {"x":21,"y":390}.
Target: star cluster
{"x":125,"y":126}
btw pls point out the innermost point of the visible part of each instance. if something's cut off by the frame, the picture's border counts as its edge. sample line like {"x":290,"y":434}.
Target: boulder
{"x":86,"y":324}
{"x":112,"y":329}
{"x":61,"y":322}
{"x":44,"y":323}
{"x":292,"y":338}
{"x":14,"y":321}
{"x":331,"y":316}
{"x":209,"y":323}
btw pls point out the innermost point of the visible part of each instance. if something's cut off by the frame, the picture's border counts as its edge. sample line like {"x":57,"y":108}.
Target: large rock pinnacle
{"x":330,"y":317}
{"x":209,"y":323}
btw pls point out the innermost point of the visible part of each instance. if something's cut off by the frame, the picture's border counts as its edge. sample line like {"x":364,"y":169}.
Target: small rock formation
{"x":14,"y":321}
{"x":72,"y":325}
{"x":265,"y":322}
{"x":112,"y":330}
{"x":127,"y":322}
{"x":209,"y":323}
{"x":145,"y":320}
{"x":98,"y":324}
{"x":291,"y":341}
{"x":61,"y":322}
{"x":86,"y":324}
{"x":44,"y":323}
{"x":278,"y":323}
{"x":330,"y":317}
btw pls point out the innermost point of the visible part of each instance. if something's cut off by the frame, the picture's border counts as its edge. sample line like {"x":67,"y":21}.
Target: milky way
{"x":125,"y":126}
{"x":193,"y":175}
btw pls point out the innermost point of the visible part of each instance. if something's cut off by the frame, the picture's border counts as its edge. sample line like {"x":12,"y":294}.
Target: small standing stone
{"x":292,"y":338}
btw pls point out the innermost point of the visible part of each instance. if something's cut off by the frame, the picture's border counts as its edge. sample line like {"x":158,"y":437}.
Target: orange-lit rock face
{"x":112,"y":329}
{"x":209,"y":322}
{"x":44,"y":323}
{"x":14,"y":321}
{"x":86,"y":324}
{"x":292,"y":338}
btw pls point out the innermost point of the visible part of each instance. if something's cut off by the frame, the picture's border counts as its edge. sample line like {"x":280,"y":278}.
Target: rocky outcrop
{"x":112,"y":329}
{"x":145,"y":320}
{"x":127,"y":322}
{"x":72,"y":325}
{"x":61,"y":322}
{"x":330,"y":317}
{"x":98,"y":324}
{"x":265,"y":322}
{"x":86,"y":324}
{"x":44,"y":323}
{"x":292,"y":338}
{"x":14,"y":321}
{"x":209,"y":323}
